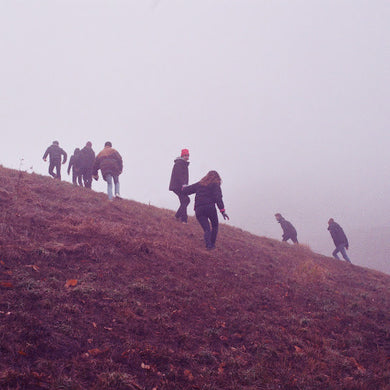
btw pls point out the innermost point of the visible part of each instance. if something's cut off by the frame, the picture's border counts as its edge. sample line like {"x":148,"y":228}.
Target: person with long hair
{"x":208,"y":193}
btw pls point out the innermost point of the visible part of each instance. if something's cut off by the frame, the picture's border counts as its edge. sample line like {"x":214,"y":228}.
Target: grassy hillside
{"x":118,"y":295}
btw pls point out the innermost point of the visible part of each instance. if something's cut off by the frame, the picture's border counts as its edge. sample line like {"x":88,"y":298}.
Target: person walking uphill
{"x":208,"y":193}
{"x":179,"y":177}
{"x":339,"y":239}
{"x":74,"y":163}
{"x":55,"y":153}
{"x":109,"y":161}
{"x":87,"y":160}
{"x":289,"y":231}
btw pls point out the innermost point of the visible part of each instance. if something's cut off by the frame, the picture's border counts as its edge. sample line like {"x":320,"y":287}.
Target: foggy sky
{"x":287,"y":100}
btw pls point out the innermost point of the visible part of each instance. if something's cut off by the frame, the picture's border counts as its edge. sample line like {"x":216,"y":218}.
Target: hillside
{"x":118,"y":295}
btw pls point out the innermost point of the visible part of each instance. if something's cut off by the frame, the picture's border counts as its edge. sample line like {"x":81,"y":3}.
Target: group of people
{"x":208,"y":193}
{"x":85,"y":165}
{"x":336,"y":231}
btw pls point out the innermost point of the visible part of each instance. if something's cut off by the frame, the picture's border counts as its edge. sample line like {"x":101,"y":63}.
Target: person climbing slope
{"x":208,"y":193}
{"x":74,"y":164}
{"x":110,"y":163}
{"x":179,"y":177}
{"x":55,"y":153}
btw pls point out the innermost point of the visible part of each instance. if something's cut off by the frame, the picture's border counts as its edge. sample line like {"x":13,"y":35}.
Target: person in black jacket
{"x":87,"y":159}
{"x":74,"y":164}
{"x":289,"y":231}
{"x":179,"y":177}
{"x":339,"y":239}
{"x":55,"y":153}
{"x":208,"y":193}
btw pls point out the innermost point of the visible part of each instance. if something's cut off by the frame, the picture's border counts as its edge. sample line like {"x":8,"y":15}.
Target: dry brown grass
{"x":152,"y":309}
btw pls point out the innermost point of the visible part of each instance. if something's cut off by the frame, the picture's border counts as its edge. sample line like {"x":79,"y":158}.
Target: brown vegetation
{"x":118,"y":295}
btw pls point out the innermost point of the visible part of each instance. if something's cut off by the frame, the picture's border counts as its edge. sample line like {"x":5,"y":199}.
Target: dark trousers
{"x":205,"y":215}
{"x":57,"y":166}
{"x":87,"y":177}
{"x":181,"y":212}
{"x":294,"y":239}
{"x":76,"y":178}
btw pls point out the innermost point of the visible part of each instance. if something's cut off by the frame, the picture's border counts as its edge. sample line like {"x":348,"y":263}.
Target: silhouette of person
{"x":289,"y":231}
{"x":55,"y":153}
{"x":339,"y":238}
{"x":74,"y":164}
{"x":179,"y":177}
{"x":87,"y":160}
{"x":110,"y":163}
{"x":208,"y":193}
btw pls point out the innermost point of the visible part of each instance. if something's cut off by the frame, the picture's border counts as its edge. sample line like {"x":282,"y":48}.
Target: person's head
{"x":185,"y":154}
{"x":331,"y":220}
{"x":88,"y":144}
{"x":278,"y":216}
{"x":77,"y":150}
{"x":108,"y":144}
{"x":56,"y":143}
{"x":211,"y":177}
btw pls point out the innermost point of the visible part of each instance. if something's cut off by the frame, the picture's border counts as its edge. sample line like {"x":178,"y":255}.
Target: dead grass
{"x":152,"y":309}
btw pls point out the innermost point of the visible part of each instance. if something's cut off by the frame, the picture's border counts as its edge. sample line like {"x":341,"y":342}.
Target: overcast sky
{"x":288,"y":100}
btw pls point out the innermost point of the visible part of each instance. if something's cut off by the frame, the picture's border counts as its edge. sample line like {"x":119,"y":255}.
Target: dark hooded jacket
{"x":55,"y":152}
{"x":179,"y":176}
{"x":74,"y":162}
{"x":288,"y":229}
{"x":205,"y":195}
{"x":338,"y":235}
{"x":109,"y":161}
{"x":87,"y":158}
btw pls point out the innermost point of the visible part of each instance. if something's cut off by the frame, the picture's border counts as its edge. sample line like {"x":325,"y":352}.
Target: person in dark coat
{"x":208,"y":193}
{"x":87,"y":160}
{"x":110,"y":163}
{"x":74,"y":164}
{"x":289,"y":231}
{"x":179,"y":177}
{"x":55,"y":153}
{"x":339,"y":239}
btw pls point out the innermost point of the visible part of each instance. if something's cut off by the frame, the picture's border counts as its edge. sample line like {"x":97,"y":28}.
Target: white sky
{"x":288,"y":100}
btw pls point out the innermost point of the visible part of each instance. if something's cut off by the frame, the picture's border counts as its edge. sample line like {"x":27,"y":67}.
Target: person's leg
{"x":58,"y":170}
{"x":334,"y":253}
{"x":87,"y":177}
{"x":74,"y":177}
{"x":51,"y":169}
{"x":184,"y":202}
{"x":295,"y":240}
{"x":116,"y":182}
{"x":181,"y":212}
{"x":204,"y":222}
{"x":80,"y":179}
{"x":108,"y":179}
{"x":213,"y":216}
{"x":344,"y":253}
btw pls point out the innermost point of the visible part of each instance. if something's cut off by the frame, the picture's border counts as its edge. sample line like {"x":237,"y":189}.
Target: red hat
{"x":185,"y":152}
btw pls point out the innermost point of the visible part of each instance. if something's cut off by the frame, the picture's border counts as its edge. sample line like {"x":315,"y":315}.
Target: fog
{"x":287,"y":100}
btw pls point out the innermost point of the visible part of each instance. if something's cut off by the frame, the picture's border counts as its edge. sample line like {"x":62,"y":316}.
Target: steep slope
{"x":118,"y":295}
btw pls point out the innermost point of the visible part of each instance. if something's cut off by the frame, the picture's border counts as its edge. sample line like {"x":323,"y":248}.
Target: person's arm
{"x":188,"y":190}
{"x":217,"y":193}
{"x":65,"y":156}
{"x":70,"y":164}
{"x":46,"y":154}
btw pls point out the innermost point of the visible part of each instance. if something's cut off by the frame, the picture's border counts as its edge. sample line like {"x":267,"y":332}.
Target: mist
{"x":286,"y":100}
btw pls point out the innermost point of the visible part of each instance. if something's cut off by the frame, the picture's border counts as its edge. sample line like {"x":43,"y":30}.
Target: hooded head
{"x":278,"y":216}
{"x":56,"y":143}
{"x":331,"y":220}
{"x":89,"y":144}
